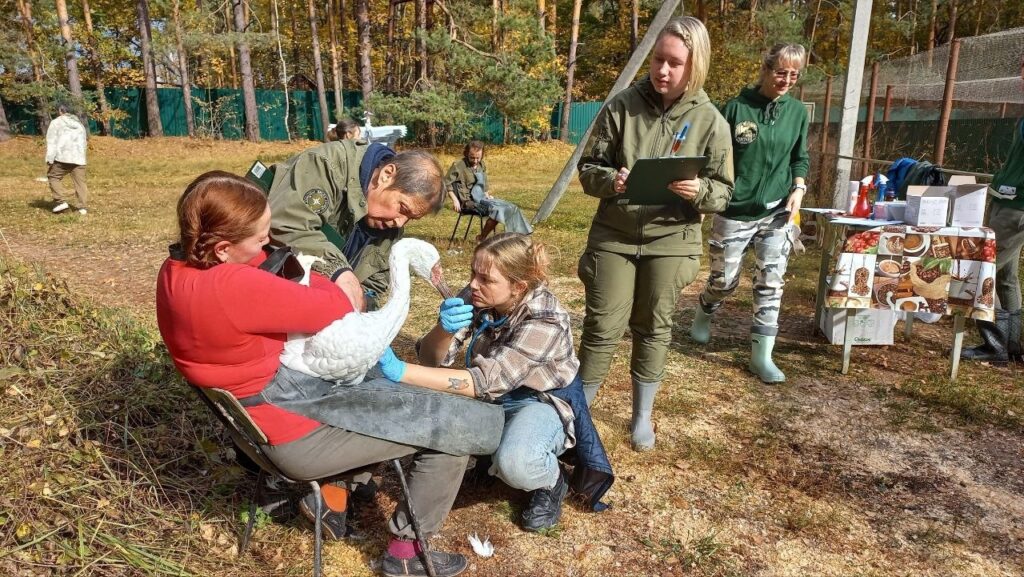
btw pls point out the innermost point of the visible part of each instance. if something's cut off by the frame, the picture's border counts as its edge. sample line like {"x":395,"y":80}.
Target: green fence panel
{"x":581,"y":114}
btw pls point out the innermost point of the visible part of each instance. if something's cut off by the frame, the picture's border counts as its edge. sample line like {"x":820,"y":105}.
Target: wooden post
{"x":869,"y":128}
{"x":851,"y":98}
{"x":801,"y":93}
{"x":636,"y":61}
{"x":888,"y":103}
{"x":1002,"y":110}
{"x":947,"y":103}
{"x":825,"y":120}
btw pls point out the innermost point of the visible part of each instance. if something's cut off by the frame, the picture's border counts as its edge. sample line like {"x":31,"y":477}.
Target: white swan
{"x":349,"y":347}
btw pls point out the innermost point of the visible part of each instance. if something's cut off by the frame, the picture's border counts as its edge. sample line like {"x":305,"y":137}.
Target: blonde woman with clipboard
{"x":770,"y":141}
{"x":639,"y":257}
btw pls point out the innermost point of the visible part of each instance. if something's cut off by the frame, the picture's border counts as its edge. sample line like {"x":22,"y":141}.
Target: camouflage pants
{"x":730,"y":240}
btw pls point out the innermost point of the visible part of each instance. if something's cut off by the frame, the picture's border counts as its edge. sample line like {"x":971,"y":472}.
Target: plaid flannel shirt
{"x":533,"y":348}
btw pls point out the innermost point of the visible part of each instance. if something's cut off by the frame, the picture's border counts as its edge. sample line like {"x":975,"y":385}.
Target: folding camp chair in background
{"x":249,"y":438}
{"x":465,"y":206}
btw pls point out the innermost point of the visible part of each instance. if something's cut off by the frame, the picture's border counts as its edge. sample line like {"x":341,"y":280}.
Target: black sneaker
{"x":334,"y":523}
{"x":545,"y":508}
{"x":445,"y":565}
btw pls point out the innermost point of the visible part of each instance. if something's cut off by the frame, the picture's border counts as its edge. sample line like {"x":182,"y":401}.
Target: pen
{"x":680,"y":136}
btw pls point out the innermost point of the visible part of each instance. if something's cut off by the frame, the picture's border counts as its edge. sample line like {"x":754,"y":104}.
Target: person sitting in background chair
{"x":347,"y":129}
{"x":470,"y":173}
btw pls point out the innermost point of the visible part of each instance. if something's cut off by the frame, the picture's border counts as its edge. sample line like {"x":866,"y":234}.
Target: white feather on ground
{"x":482,"y":548}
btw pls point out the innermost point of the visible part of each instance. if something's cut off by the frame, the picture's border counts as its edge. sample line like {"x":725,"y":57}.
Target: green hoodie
{"x":769,"y":140}
{"x":1011,"y":175}
{"x":633,"y":125}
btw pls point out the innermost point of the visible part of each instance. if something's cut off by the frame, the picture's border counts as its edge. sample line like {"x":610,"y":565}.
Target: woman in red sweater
{"x":225,"y":322}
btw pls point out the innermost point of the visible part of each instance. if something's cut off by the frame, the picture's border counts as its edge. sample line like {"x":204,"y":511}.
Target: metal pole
{"x":869,"y":129}
{"x":851,"y":98}
{"x":824,"y":132}
{"x":636,"y":61}
{"x":888,"y":103}
{"x":1002,"y":110}
{"x":947,"y":102}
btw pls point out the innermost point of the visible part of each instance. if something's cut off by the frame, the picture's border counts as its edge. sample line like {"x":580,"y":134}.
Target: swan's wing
{"x":345,"y":350}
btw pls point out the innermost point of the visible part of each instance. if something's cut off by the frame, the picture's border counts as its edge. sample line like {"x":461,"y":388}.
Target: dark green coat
{"x":321,"y":185}
{"x":1012,"y":172}
{"x":633,"y":125}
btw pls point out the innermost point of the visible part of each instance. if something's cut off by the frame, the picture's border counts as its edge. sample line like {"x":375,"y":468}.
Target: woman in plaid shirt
{"x":517,"y":345}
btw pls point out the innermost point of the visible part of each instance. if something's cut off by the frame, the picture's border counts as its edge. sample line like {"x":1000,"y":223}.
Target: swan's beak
{"x":437,"y":279}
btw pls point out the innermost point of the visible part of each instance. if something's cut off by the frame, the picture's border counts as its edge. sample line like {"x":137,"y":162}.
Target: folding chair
{"x":248,"y":437}
{"x":464,"y":207}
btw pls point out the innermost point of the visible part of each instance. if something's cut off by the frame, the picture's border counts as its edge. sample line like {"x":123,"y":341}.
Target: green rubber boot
{"x":700,"y":330}
{"x":641,"y":428}
{"x":761,"y":363}
{"x":590,"y":392}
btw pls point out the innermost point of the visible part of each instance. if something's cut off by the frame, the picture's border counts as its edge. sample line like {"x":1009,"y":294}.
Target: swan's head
{"x":423,"y":259}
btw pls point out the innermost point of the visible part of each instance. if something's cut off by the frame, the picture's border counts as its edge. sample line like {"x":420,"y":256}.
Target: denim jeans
{"x":533,"y":438}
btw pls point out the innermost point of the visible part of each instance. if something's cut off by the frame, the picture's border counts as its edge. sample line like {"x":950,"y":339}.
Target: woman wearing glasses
{"x":769,"y":139}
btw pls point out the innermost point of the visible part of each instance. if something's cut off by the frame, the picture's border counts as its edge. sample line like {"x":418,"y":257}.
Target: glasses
{"x":783,"y":74}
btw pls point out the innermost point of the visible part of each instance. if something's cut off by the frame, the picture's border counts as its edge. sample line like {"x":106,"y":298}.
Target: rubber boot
{"x":761,"y":363}
{"x":590,"y":392}
{"x":994,"y":337}
{"x":700,"y":330}
{"x":1013,"y":348}
{"x":641,"y":429}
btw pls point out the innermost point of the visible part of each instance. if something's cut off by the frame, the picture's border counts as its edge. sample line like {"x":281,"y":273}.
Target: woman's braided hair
{"x":217,"y":206}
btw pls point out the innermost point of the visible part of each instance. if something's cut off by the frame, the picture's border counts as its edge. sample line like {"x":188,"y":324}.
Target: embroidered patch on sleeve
{"x":317,"y":200}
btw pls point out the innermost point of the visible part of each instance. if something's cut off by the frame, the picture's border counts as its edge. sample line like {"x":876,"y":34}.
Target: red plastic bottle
{"x":863,"y":207}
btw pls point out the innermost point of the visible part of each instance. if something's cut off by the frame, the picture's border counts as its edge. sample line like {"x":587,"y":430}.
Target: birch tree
{"x":149,"y":68}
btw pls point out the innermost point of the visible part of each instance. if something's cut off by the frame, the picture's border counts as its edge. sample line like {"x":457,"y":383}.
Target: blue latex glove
{"x":455,"y":315}
{"x":392,"y":367}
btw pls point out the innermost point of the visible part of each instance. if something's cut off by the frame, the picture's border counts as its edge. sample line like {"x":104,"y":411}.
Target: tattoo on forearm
{"x":457,"y":384}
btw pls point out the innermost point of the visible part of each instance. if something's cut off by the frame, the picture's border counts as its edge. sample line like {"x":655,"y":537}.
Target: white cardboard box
{"x":871,"y":326}
{"x":927,"y":205}
{"x":967,"y":205}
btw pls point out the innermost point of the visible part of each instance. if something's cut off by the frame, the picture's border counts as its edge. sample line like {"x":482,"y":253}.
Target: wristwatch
{"x":802,"y":187}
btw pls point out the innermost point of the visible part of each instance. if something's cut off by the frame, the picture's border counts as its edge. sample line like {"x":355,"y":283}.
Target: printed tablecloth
{"x":944,"y":270}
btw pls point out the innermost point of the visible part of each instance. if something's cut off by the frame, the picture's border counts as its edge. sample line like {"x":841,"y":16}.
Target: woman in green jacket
{"x":638,"y":258}
{"x":769,"y":133}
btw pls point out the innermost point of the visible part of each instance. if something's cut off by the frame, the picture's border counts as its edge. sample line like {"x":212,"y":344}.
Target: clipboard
{"x":648,"y":180}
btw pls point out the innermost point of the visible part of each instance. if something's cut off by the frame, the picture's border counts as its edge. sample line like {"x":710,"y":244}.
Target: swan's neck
{"x":394,"y":313}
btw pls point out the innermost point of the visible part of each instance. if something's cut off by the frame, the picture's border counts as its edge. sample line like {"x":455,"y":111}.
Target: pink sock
{"x":403,"y":549}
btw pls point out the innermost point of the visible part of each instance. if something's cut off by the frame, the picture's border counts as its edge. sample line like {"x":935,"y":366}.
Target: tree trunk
{"x":496,"y":11}
{"x":389,"y":56}
{"x":42,"y":106}
{"x":570,"y":70}
{"x":229,"y":25}
{"x":553,"y":19}
{"x":96,"y":64}
{"x":186,"y":83}
{"x":149,"y":67}
{"x":252,"y":117}
{"x":421,"y":44}
{"x":542,"y":12}
{"x":318,"y":69}
{"x":296,"y":61}
{"x":753,"y":13}
{"x":343,"y":24}
{"x":913,"y":28}
{"x":931,"y":30}
{"x":634,"y":24}
{"x":952,"y":22}
{"x":332,"y":22}
{"x":275,"y":25}
{"x":977,"y":17}
{"x":365,"y":64}
{"x":71,"y":61}
{"x":5,"y":128}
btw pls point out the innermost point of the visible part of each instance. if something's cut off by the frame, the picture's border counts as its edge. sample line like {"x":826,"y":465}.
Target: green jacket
{"x":633,"y":125}
{"x":321,"y":186}
{"x":1012,"y":172}
{"x":461,"y":172}
{"x":769,"y":141}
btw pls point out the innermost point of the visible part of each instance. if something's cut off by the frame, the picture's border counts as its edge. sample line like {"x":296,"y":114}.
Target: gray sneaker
{"x":60,"y":207}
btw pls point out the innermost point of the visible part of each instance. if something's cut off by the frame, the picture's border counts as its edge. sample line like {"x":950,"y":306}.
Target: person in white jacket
{"x":66,"y":141}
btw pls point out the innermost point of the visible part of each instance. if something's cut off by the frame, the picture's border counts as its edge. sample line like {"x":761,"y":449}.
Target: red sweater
{"x":225,"y":327}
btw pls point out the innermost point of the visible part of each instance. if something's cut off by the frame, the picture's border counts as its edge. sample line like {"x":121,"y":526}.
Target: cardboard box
{"x":871,"y":326}
{"x":927,"y":205}
{"x":967,"y":205}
